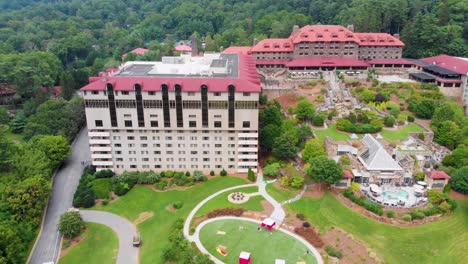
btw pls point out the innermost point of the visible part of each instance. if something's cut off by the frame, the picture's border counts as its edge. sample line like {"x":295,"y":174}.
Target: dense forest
{"x":88,"y":35}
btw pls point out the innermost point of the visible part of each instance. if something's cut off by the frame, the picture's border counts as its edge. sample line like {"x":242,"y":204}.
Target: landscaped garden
{"x":238,"y":235}
{"x":99,"y":246}
{"x":280,"y":195}
{"x":154,"y":212}
{"x":254,"y":203}
{"x":330,"y":132}
{"x":443,"y":241}
{"x":401,"y":133}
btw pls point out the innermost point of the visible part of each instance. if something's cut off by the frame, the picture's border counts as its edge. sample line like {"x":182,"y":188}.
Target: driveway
{"x":64,"y":186}
{"x":125,"y":231}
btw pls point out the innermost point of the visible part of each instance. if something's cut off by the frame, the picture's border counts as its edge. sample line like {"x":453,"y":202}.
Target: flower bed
{"x":309,"y":234}
{"x":225,"y":211}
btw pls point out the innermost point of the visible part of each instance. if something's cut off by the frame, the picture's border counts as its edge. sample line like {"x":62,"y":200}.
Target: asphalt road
{"x":64,"y":186}
{"x":125,"y":231}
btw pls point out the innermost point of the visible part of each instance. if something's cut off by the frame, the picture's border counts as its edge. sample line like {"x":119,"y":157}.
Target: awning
{"x":375,"y":188}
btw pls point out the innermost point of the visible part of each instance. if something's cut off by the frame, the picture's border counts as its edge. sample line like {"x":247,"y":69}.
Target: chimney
{"x":295,"y":29}
{"x":396,"y":35}
{"x":350,"y":28}
{"x":255,"y":41}
{"x":194,"y":45}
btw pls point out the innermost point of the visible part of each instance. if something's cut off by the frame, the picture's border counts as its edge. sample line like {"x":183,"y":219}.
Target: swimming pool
{"x":388,"y":195}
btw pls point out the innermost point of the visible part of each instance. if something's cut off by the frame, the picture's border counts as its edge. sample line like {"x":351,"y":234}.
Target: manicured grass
{"x":279,"y":195}
{"x":402,"y":133}
{"x":331,"y":132}
{"x":444,"y":241}
{"x":102,"y":187}
{"x":99,"y":246}
{"x":155,"y":230}
{"x":221,"y":201}
{"x":16,"y":138}
{"x":263,"y":246}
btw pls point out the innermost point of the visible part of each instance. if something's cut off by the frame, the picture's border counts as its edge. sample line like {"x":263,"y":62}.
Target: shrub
{"x":187,"y":173}
{"x":305,"y":224}
{"x":169,"y":174}
{"x":310,"y":235}
{"x":344,"y":160}
{"x":410,"y":118}
{"x":223,"y":172}
{"x":272,"y":170}
{"x":373,"y":207}
{"x":101,"y":187}
{"x":332,"y":252}
{"x":389,"y":121}
{"x":161,"y":185}
{"x":406,"y":218}
{"x":354,"y":187}
{"x":251,"y":175}
{"x":419,"y":176}
{"x":417,"y":214}
{"x":178,"y":204}
{"x":226,"y":211}
{"x":121,"y":188}
{"x":105,"y":202}
{"x":198,"y":175}
{"x":84,"y":197}
{"x":104,"y":174}
{"x":89,"y":170}
{"x":318,"y":120}
{"x":70,"y":224}
{"x":300,"y":216}
{"x":212,"y":173}
{"x":444,"y":207}
{"x":432,"y":210}
{"x":297,"y":182}
{"x":436,"y":197}
{"x":284,"y":181}
{"x":391,"y":214}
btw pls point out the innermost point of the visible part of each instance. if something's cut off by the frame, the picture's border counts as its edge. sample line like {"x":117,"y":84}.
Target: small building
{"x":346,"y":149}
{"x":382,"y":167}
{"x":268,"y":223}
{"x":137,"y":51}
{"x":345,"y":182}
{"x":244,"y":258}
{"x":436,"y":179}
{"x":183,"y":49}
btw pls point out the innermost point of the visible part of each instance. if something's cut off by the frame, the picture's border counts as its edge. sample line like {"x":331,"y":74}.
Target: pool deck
{"x":410,"y":201}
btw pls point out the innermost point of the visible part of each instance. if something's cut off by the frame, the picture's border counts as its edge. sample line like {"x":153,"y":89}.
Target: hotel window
{"x":118,"y":145}
{"x":128,"y":123}
{"x":168,"y":145}
{"x":154,"y":123}
{"x":217,"y":94}
{"x":191,"y":94}
{"x":143,"y":138}
{"x":94,"y":92}
{"x":156,"y":145}
{"x":246,"y":94}
{"x":130,"y":138}
{"x":217,"y":124}
{"x":144,"y":145}
{"x":192,"y":124}
{"x":151,"y":93}
{"x":125,"y":93}
{"x":218,"y":145}
{"x":157,"y":152}
{"x":246,"y":124}
{"x":98,"y":123}
{"x":133,"y":166}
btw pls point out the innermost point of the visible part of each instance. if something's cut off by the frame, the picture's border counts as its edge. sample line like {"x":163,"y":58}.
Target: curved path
{"x":124,"y":229}
{"x":278,"y":215}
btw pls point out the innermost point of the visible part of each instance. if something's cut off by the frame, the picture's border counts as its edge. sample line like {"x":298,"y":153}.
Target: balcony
{"x":247,"y":150}
{"x":247,"y":142}
{"x":254,"y":157}
{"x":244,"y":170}
{"x":247,"y":135}
{"x":101,"y":156}
{"x":101,"y":149}
{"x":98,"y":134}
{"x":247,"y":163}
{"x":99,"y":141}
{"x":102,"y":163}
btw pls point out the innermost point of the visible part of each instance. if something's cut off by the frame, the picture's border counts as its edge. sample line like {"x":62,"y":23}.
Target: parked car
{"x":136,"y":240}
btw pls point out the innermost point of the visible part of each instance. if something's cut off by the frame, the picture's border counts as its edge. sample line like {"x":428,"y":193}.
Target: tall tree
{"x":285,"y":146}
{"x":305,"y":110}
{"x":67,"y":84}
{"x":324,"y":169}
{"x":313,"y":148}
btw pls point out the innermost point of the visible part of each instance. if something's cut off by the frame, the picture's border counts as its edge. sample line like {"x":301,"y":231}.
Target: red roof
{"x":437,"y":174}
{"x":247,"y":81}
{"x":391,"y":61}
{"x":324,"y":62}
{"x":138,"y":51}
{"x":183,"y":48}
{"x":238,"y":49}
{"x":323,"y":33}
{"x":347,"y":175}
{"x":378,"y":39}
{"x":449,"y":62}
{"x":448,"y":80}
{"x":274,"y":45}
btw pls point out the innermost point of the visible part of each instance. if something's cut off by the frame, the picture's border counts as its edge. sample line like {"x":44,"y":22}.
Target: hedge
{"x":362,"y":201}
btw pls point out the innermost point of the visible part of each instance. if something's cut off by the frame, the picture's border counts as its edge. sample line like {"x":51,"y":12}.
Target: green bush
{"x":373,"y":207}
{"x":272,"y":170}
{"x":410,"y":118}
{"x":300,"y":216}
{"x":169,"y":174}
{"x":332,"y":252}
{"x":212,"y":173}
{"x":104,"y":174}
{"x":121,"y":188}
{"x":105,"y":202}
{"x":417,"y":214}
{"x":251,"y":175}
{"x":160,"y":185}
{"x":406,"y":218}
{"x":83,"y":197}
{"x":101,"y":187}
{"x":223,"y":173}
{"x":391,"y":214}
{"x":178,"y":204}
{"x":297,"y":182}
{"x":187,"y":173}
{"x":198,"y":175}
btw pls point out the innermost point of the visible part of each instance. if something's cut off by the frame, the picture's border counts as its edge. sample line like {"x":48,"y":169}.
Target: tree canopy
{"x":313,"y":148}
{"x":324,"y":169}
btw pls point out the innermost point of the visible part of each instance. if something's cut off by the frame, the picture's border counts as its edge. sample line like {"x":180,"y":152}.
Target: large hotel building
{"x":183,"y":113}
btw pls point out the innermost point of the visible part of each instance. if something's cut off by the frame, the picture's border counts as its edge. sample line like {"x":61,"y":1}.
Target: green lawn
{"x":444,"y":241}
{"x":102,"y":187}
{"x":16,"y":138}
{"x":99,"y":246}
{"x":331,"y":132}
{"x":263,"y":246}
{"x":401,"y":133}
{"x":279,"y":195}
{"x":221,"y":201}
{"x":155,"y":230}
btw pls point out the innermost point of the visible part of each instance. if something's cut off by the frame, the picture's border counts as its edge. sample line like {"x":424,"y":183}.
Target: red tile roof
{"x":323,"y":33}
{"x":138,"y":51}
{"x":378,"y":39}
{"x":271,"y":62}
{"x":347,"y":175}
{"x":391,"y":61}
{"x":274,"y":45}
{"x":449,"y":62}
{"x":448,"y":80}
{"x":247,"y":81}
{"x":332,"y":62}
{"x":238,"y":49}
{"x":437,"y":174}
{"x":183,"y":48}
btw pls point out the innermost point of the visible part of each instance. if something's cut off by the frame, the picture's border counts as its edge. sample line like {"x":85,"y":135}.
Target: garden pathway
{"x":297,"y":197}
{"x":278,"y":215}
{"x":125,"y":230}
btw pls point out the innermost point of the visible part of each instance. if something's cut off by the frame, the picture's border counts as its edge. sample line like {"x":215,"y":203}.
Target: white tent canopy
{"x":375,"y":188}
{"x":280,"y":261}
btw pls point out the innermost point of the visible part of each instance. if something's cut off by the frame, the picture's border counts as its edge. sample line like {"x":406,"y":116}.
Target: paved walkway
{"x":65,"y":182}
{"x":278,"y":215}
{"x":124,"y":229}
{"x":297,"y":197}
